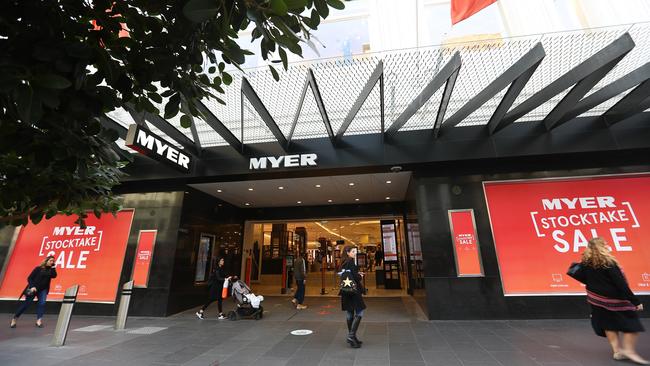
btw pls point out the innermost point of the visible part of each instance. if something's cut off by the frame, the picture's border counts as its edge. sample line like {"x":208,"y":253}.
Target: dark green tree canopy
{"x":66,"y":63}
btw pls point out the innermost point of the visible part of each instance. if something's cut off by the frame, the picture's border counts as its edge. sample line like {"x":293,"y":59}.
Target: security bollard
{"x":123,"y":310}
{"x":63,"y":323}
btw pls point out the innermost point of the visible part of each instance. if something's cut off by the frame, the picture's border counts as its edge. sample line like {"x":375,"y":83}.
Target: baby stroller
{"x":249,"y":305}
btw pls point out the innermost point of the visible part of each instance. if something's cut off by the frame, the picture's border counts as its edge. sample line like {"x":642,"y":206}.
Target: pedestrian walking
{"x":351,"y":290}
{"x":38,"y":285}
{"x":300,"y":274}
{"x":614,"y":308}
{"x":215,"y":287}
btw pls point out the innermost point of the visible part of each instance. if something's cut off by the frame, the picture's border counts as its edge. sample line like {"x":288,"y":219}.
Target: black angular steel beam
{"x":608,"y":92}
{"x":256,"y":102}
{"x":123,"y":154}
{"x":447,"y":75}
{"x":517,"y":75}
{"x":109,"y":123}
{"x":582,"y":76}
{"x":636,"y":101}
{"x":169,"y":130}
{"x":376,"y":75}
{"x":310,"y":82}
{"x":218,"y":126}
{"x":138,"y":118}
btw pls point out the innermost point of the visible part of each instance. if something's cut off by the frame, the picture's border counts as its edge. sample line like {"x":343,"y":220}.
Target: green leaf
{"x":296,"y":4}
{"x":199,"y":11}
{"x":52,"y":81}
{"x":336,"y":4}
{"x":23,"y":99}
{"x":283,"y":56}
{"x":315,"y":19}
{"x":279,"y":7}
{"x":226,"y":78}
{"x":275,"y":73}
{"x":173,"y":106}
{"x":186,"y":121}
{"x":155,"y":97}
{"x":323,"y":9}
{"x":222,"y":66}
{"x":212,"y":70}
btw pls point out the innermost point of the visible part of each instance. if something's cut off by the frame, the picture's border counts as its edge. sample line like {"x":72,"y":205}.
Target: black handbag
{"x":576,"y":271}
{"x":348,"y":283}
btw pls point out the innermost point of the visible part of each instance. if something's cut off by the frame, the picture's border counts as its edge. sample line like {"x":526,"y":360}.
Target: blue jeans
{"x":349,"y":315}
{"x":40,"y":307}
{"x":300,"y":291}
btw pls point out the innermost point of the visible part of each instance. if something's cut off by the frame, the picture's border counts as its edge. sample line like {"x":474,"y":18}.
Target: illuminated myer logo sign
{"x":148,"y":143}
{"x":285,"y":161}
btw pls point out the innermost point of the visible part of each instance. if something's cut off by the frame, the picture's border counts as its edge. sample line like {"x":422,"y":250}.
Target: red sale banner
{"x":541,"y":226}
{"x":143,"y":255}
{"x":466,"y":248}
{"x":90,"y":257}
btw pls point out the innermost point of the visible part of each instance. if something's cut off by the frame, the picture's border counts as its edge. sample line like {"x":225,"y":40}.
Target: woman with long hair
{"x":215,"y":286}
{"x":614,"y":307}
{"x":352,"y":301}
{"x":38,"y":285}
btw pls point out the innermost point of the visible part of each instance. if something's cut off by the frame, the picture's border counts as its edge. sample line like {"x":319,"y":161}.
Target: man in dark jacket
{"x":300,"y":274}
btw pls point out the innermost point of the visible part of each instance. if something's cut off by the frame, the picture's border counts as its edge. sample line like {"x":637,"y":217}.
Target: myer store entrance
{"x":272,"y":247}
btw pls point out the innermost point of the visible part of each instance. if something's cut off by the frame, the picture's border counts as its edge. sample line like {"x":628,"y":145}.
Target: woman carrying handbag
{"x":614,"y":308}
{"x":351,"y":288}
{"x":38,"y":285}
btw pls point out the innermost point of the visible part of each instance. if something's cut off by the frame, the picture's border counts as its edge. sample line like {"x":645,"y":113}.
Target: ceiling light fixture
{"x":318,"y":186}
{"x":280,"y":187}
{"x":247,"y":204}
{"x":330,"y":201}
{"x":250,"y":189}
{"x":388,"y":182}
{"x":219,"y":191}
{"x":299,"y":202}
{"x":387,"y":198}
{"x":350,"y":184}
{"x":356,"y":199}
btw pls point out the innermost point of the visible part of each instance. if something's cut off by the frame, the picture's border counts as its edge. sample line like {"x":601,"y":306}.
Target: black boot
{"x":352,"y":335}
{"x":349,"y":327}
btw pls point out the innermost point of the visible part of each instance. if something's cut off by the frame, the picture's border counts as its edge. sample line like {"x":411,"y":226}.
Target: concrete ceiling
{"x":311,"y":191}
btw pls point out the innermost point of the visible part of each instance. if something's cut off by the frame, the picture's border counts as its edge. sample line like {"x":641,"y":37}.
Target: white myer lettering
{"x":147,"y":143}
{"x":578,"y":202}
{"x":285,"y":161}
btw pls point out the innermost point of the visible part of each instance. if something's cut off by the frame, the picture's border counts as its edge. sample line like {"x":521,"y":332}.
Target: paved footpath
{"x":394,"y":333}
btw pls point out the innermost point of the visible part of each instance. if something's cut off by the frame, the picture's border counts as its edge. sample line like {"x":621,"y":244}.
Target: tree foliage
{"x":65,"y":63}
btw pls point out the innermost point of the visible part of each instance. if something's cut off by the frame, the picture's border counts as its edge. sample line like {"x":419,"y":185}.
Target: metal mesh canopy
{"x":344,"y":84}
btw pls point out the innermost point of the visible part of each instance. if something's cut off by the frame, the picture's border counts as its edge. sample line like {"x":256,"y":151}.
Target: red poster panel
{"x":143,"y":256}
{"x":541,"y":226}
{"x":466,"y":247}
{"x":389,"y":242}
{"x":91,"y":258}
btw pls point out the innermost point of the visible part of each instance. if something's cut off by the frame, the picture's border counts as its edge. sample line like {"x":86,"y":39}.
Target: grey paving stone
{"x":446,"y":358}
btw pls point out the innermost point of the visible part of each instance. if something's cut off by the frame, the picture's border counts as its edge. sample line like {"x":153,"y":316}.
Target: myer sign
{"x":146,"y":142}
{"x":285,"y":161}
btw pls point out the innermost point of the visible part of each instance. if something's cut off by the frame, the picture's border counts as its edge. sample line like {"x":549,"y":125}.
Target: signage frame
{"x":17,"y":235}
{"x":541,"y":180}
{"x":131,"y":141}
{"x":453,"y":242}
{"x":135,"y":258}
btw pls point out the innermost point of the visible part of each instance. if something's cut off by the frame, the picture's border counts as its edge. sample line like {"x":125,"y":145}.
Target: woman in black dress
{"x":38,"y":285}
{"x":352,"y":303}
{"x":215,"y":286}
{"x":613,"y":305}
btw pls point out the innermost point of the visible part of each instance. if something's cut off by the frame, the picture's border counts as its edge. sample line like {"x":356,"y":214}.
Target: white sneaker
{"x":222,"y":317}
{"x":199,"y":315}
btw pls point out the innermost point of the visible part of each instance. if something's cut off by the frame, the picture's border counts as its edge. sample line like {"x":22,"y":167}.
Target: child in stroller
{"x":248,"y":304}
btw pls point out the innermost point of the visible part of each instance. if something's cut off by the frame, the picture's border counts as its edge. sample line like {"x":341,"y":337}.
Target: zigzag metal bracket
{"x":583,"y":77}
{"x":516,"y":76}
{"x":619,"y":86}
{"x":447,"y":75}
{"x":310,"y":81}
{"x":377,"y":75}
{"x":219,"y":127}
{"x":636,"y":101}
{"x":248,"y":91}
